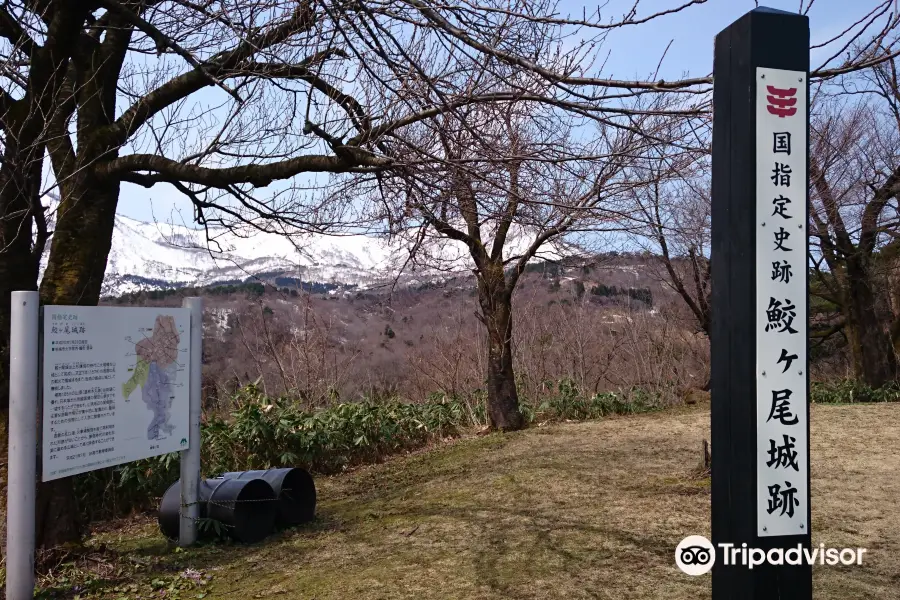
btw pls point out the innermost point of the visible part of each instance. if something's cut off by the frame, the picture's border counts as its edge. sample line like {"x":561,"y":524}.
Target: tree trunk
{"x":78,"y":255}
{"x":873,"y":353}
{"x":496,"y":314}
{"x":892,"y":277}
{"x":19,"y":185}
{"x":24,"y":126}
{"x":894,"y":287}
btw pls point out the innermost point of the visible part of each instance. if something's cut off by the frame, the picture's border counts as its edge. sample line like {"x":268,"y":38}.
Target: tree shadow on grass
{"x":494,"y":517}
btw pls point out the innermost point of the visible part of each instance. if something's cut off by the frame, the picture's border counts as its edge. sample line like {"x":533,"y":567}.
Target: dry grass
{"x":588,"y":510}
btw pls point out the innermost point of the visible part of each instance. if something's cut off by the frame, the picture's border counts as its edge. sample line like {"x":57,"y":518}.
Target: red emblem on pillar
{"x":781,"y":101}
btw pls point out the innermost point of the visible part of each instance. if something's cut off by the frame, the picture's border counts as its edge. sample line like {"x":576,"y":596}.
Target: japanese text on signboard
{"x":781,"y":300}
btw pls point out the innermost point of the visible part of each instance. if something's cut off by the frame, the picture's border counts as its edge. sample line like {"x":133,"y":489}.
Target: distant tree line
{"x":644,"y":295}
{"x":251,"y":288}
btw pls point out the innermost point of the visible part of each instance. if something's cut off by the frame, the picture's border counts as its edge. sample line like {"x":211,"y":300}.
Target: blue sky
{"x":634,"y":54}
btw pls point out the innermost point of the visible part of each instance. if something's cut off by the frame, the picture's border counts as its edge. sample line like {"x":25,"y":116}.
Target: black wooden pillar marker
{"x":760,"y":411}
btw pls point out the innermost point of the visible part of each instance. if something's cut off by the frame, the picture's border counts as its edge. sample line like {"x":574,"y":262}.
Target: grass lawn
{"x":568,"y":511}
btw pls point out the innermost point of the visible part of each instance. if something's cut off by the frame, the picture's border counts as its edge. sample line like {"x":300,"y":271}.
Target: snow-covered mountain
{"x":153,"y":256}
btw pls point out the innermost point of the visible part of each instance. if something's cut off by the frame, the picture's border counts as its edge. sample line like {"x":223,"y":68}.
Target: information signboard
{"x":115,"y":386}
{"x":782,"y":454}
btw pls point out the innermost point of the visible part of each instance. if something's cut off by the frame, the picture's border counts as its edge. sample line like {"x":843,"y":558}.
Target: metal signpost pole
{"x":22,"y":457}
{"x":190,"y":458}
{"x":759,"y":341}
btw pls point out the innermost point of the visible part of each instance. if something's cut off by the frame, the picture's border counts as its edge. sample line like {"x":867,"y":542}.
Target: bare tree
{"x":855,"y":178}
{"x":511,"y":181}
{"x":449,"y":356}
{"x":566,"y":338}
{"x":673,"y":214}
{"x":244,"y":96}
{"x":292,"y":346}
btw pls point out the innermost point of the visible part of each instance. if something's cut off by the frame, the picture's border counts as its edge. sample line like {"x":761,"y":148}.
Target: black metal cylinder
{"x":247,"y":507}
{"x":294,"y":488}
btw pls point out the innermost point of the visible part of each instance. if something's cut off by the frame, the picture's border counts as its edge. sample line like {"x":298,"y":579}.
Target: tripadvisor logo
{"x":696,"y":555}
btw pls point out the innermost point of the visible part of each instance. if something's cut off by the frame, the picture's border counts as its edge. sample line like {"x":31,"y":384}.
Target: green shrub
{"x":846,"y":391}
{"x":567,"y":403}
{"x":269,"y":432}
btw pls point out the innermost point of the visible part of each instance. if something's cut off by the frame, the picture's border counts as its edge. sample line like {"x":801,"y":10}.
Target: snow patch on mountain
{"x":155,"y":256}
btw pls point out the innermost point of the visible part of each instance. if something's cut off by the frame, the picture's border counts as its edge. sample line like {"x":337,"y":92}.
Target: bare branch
{"x":163,"y":41}
{"x":186,"y":84}
{"x":259,"y":175}
{"x":13,"y":31}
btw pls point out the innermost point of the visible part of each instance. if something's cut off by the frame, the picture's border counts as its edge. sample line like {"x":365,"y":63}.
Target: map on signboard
{"x":156,"y":372}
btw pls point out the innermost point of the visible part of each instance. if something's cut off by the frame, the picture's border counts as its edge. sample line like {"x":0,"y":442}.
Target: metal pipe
{"x":24,"y":359}
{"x":190,"y":458}
{"x":246,"y":507}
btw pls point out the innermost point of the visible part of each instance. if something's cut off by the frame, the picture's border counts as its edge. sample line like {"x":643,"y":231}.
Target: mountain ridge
{"x":158,"y":256}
